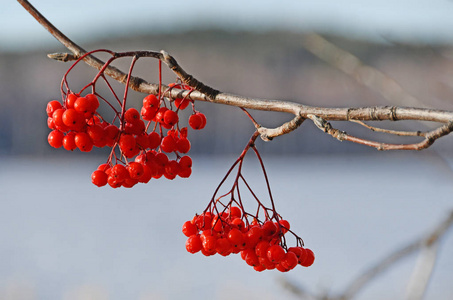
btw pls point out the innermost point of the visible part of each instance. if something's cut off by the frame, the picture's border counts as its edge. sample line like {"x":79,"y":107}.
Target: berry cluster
{"x":261,"y":246}
{"x":77,"y":124}
{"x":225,"y":227}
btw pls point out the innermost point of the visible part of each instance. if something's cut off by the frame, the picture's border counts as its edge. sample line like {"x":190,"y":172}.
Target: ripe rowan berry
{"x":99,"y":178}
{"x":309,"y":258}
{"x":69,"y":141}
{"x":188,"y":228}
{"x":55,"y":138}
{"x":83,"y":142}
{"x":135,"y":170}
{"x":52,"y":106}
{"x":275,"y":253}
{"x":194,"y":244}
{"x":131,"y":115}
{"x":183,"y":145}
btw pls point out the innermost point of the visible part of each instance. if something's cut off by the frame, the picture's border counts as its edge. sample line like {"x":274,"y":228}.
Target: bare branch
{"x":363,"y":74}
{"x":390,"y":260}
{"x":430,"y":137}
{"x":205,"y":93}
{"x":419,"y":280}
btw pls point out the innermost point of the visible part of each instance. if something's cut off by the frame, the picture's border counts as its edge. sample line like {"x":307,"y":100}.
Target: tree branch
{"x":381,"y":266}
{"x":203,"y":92}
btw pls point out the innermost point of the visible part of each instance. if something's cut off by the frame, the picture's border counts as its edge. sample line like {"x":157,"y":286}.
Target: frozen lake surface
{"x":63,"y":238}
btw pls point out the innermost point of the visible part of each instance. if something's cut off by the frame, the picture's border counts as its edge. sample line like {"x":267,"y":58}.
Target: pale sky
{"x":410,"y":20}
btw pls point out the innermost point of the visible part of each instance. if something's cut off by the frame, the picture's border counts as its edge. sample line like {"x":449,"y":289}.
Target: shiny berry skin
{"x":275,"y":253}
{"x":183,"y":145}
{"x":181,"y":103}
{"x":52,"y":106}
{"x":73,"y":119}
{"x":236,"y":238}
{"x":131,"y":115}
{"x":171,"y":117}
{"x":82,"y":105}
{"x":188,"y":228}
{"x":194,"y":244}
{"x":195,"y":122}
{"x":99,"y":178}
{"x":83,"y":142}
{"x":168,"y":144}
{"x":69,"y":141}
{"x":55,"y":138}
{"x":135,"y":170}
{"x":290,"y":260}
{"x":309,"y":258}
{"x":154,"y":140}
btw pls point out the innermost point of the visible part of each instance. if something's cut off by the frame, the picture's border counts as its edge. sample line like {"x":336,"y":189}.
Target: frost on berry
{"x":150,"y":141}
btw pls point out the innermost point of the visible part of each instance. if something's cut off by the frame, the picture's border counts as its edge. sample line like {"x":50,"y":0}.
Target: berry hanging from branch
{"x":225,"y":227}
{"x":140,"y":142}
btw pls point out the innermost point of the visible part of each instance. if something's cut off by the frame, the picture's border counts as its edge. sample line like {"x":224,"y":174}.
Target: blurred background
{"x":63,"y":238}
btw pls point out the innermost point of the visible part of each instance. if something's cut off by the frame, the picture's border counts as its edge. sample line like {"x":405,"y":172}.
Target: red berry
{"x":119,"y":173}
{"x":154,"y":140}
{"x":82,"y":105}
{"x":96,"y":133}
{"x":94,"y":102}
{"x":151,"y":101}
{"x":55,"y":138}
{"x":135,"y":170}
{"x":131,"y":115}
{"x":309,"y":258}
{"x":111,"y":134}
{"x":223,"y":246}
{"x":182,"y":103}
{"x":269,"y":229}
{"x":284,"y":226}
{"x":83,"y":142}
{"x":70,"y":100}
{"x":171,"y":117}
{"x":168,"y":144}
{"x":172,"y":169}
{"x":203,"y":119}
{"x":73,"y":119}
{"x":235,"y":212}
{"x":261,"y":248}
{"x":253,"y":236}
{"x":289,"y":261}
{"x":99,"y":178}
{"x":188,"y":228}
{"x":183,"y":145}
{"x":148,"y":114}
{"x":194,"y":244}
{"x":159,"y":118}
{"x":127,"y":143}
{"x":69,"y":141}
{"x":236,"y":238}
{"x":275,"y":253}
{"x":195,"y":121}
{"x":146,"y":176}
{"x":57,"y":117}
{"x":185,"y":162}
{"x":52,"y":106}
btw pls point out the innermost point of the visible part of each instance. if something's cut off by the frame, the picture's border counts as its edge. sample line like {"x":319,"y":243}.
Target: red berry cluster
{"x":77,"y":124}
{"x":261,"y":245}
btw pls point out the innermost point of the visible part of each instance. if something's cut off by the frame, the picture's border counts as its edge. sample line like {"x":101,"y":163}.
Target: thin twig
{"x":389,"y":131}
{"x":430,"y":137}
